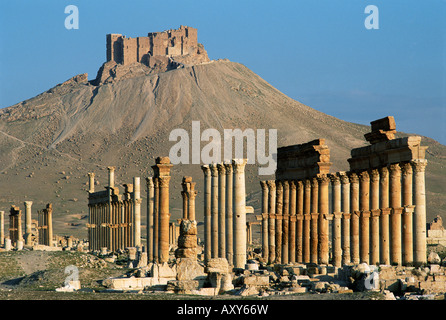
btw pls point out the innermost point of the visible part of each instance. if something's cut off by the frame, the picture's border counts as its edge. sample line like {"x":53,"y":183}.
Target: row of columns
{"x":114,"y":221}
{"x":225,"y":211}
{"x":378,"y":216}
{"x":44,"y":225}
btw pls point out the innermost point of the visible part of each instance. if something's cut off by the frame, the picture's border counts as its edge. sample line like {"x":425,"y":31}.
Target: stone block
{"x":189,"y":269}
{"x":187,"y":241}
{"x":256,"y":280}
{"x":219,"y":265}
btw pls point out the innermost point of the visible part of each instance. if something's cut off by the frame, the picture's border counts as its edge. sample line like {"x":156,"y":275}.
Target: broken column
{"x":239,"y":209}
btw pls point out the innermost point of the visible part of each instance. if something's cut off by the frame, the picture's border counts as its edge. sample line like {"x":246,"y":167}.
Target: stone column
{"x":2,"y":228}
{"x":364,"y":207}
{"x":49,"y":208}
{"x":285,"y":221}
{"x":156,"y":219}
{"x":323,"y":225}
{"x":336,"y":227}
{"x":345,"y":207}
{"x":137,"y":211}
{"x":395,"y":216}
{"x":28,"y":231}
{"x":229,"y":213}
{"x":111,"y":177}
{"x":272,"y":221}
{"x":91,"y":182}
{"x":299,"y":221}
{"x":292,"y":223}
{"x":374,"y":213}
{"x":384,"y":217}
{"x":264,"y":187}
{"x":184,"y":194}
{"x":150,"y":195}
{"x":207,"y":213}
{"x":239,"y":208}
{"x":354,"y":220}
{"x":420,"y":211}
{"x":314,"y":221}
{"x":221,"y":210}
{"x":214,"y":211}
{"x":306,"y":254}
{"x":191,"y":201}
{"x":162,"y":170}
{"x":407,"y":214}
{"x":279,"y":208}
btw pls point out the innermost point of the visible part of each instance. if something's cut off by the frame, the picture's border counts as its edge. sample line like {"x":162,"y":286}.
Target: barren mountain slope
{"x":50,"y":142}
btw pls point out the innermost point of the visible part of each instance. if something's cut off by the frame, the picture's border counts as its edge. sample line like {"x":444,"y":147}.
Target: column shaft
{"x":239,"y":208}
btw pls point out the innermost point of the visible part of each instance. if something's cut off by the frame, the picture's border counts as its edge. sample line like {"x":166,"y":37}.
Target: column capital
{"x":307,"y":184}
{"x":335,"y":178}
{"x":364,"y":176}
{"x":91,"y":174}
{"x":239,"y":165}
{"x":344,"y":177}
{"x":228,"y":167}
{"x":214,"y":169}
{"x":221,"y":168}
{"x":206,"y":169}
{"x":264,"y":185}
{"x":271,"y":185}
{"x":28,"y":204}
{"x":285,"y":184}
{"x":293,"y":184}
{"x":164,"y":181}
{"x":374,"y":175}
{"x":279,"y":186}
{"x":384,"y":172}
{"x":406,"y":169}
{"x":299,"y":184}
{"x":149,"y":182}
{"x":111,"y":168}
{"x":394,"y":168}
{"x":323,"y":179}
{"x":419,"y":165}
{"x":353,"y":177}
{"x":314,"y":182}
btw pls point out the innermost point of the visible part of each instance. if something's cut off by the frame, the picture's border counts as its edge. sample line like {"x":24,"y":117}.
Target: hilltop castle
{"x":156,"y":48}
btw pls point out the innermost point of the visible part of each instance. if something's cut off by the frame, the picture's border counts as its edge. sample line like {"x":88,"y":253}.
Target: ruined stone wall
{"x":182,"y":41}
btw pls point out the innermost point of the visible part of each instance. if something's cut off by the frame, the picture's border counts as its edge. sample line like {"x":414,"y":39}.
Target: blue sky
{"x":317,"y":52}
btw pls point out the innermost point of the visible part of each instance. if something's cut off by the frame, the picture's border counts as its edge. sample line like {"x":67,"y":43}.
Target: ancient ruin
{"x":376,"y":210}
{"x":114,"y":220}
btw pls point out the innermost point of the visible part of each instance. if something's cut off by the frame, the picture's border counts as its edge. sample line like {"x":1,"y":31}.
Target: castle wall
{"x":178,"y":42}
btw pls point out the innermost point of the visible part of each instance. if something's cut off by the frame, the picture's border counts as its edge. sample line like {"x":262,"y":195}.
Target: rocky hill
{"x":50,"y":142}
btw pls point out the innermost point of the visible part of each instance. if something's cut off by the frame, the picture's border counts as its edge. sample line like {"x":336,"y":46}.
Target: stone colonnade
{"x":114,"y":220}
{"x":377,"y":210}
{"x":225,"y":211}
